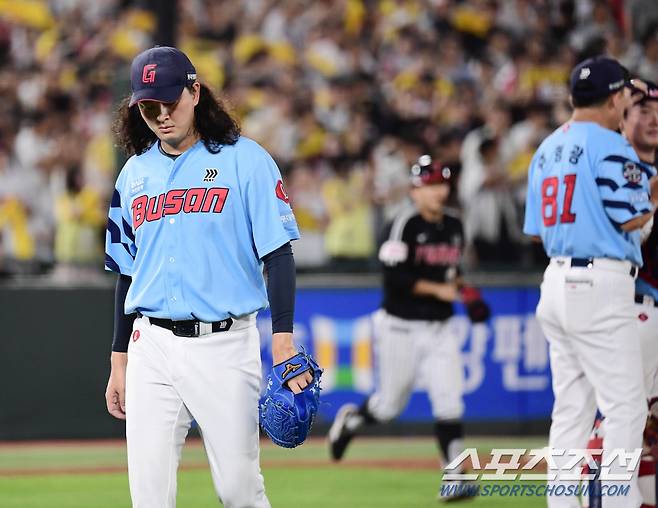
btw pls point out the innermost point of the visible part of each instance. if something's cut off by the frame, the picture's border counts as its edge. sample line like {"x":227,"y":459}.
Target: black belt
{"x":190,"y":327}
{"x":640,"y":299}
{"x":589,"y":262}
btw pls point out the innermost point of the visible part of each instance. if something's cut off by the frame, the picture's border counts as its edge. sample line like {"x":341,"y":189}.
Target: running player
{"x":421,"y":256}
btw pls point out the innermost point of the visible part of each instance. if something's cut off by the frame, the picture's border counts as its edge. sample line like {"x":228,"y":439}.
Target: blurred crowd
{"x":345,"y":94}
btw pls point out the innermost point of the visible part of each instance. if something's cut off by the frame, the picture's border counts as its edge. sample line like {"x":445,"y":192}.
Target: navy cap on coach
{"x":160,"y":74}
{"x":427,"y":172}
{"x":596,"y":78}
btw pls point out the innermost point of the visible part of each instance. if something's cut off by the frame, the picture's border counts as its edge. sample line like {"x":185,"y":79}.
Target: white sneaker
{"x":457,"y":490}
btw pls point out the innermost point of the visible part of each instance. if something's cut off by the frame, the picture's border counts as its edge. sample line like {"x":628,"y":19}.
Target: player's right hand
{"x":115,"y":394}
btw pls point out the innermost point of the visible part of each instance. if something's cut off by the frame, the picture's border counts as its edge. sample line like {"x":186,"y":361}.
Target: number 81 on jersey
{"x":549,"y":206}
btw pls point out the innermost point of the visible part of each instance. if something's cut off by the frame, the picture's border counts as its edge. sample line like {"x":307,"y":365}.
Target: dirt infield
{"x":399,"y":463}
{"x":404,"y":465}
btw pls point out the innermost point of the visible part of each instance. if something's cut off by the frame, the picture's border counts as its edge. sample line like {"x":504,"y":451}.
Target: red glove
{"x":477,"y":309}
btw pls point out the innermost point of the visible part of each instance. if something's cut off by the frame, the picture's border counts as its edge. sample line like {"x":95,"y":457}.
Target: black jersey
{"x":414,"y":249}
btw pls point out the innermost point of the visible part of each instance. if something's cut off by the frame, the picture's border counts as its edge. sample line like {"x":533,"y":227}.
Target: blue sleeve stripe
{"x":645,"y":211}
{"x":621,"y":205}
{"x":116,"y":199}
{"x":115,"y":233}
{"x":115,"y":236}
{"x":647,"y":171}
{"x":111,"y":264}
{"x":631,"y":185}
{"x":617,"y":225}
{"x":622,"y":160}
{"x":618,"y":158}
{"x":607,"y":182}
{"x":127,"y":230}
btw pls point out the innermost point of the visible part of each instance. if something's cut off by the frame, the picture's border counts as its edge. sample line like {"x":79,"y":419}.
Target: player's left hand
{"x":283,"y":349}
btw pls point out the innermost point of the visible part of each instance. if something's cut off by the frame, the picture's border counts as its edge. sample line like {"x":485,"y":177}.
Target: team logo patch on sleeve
{"x":632,"y":172}
{"x":281,"y":192}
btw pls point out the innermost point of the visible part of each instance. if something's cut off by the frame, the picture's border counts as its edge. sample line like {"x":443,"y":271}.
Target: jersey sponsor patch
{"x":211,"y":174}
{"x":632,"y":172}
{"x":393,"y":251}
{"x":281,"y":192}
{"x":194,"y":200}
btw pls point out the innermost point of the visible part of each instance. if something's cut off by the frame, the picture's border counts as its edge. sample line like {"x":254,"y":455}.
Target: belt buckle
{"x":185,"y":330}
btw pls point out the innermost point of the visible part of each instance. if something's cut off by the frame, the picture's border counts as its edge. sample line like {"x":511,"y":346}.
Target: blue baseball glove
{"x":284,"y":416}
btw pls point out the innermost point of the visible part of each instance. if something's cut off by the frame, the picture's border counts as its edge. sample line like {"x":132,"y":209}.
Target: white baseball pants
{"x":214,"y":379}
{"x":588,"y":316}
{"x":647,"y":324}
{"x":407,"y":350}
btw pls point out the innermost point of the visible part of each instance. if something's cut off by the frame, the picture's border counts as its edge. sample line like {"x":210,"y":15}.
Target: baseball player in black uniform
{"x":421,"y":254}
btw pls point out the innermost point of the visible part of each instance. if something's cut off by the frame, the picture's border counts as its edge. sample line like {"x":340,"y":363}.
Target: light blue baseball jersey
{"x":191,"y":232}
{"x":584,"y":182}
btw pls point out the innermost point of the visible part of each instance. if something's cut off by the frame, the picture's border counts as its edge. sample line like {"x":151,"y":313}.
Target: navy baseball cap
{"x":596,"y":78}
{"x":652,"y":92}
{"x":160,"y":74}
{"x":427,"y":172}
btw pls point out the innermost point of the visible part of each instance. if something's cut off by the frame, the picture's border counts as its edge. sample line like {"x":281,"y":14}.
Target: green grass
{"x":302,"y":476}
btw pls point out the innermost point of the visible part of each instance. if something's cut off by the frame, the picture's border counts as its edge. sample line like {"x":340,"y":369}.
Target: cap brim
{"x":164,"y":94}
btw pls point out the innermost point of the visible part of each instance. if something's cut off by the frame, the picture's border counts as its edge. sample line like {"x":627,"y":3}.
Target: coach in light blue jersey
{"x":198,"y":211}
{"x":588,"y":196}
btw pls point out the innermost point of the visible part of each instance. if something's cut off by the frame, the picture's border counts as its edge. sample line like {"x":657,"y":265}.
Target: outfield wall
{"x":55,"y":350}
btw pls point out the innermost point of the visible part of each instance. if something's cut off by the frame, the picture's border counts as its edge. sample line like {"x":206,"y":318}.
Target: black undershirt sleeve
{"x":280,"y":266}
{"x":123,"y":324}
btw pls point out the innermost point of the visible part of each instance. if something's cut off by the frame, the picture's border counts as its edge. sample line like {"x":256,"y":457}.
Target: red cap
{"x":427,"y":172}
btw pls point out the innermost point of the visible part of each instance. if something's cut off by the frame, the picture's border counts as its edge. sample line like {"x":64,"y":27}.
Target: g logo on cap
{"x":148,"y":73}
{"x":584,"y":73}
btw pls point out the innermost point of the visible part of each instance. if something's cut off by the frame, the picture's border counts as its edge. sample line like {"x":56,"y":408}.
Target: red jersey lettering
{"x":174,"y":201}
{"x":218,"y":195}
{"x":137,"y":207}
{"x":195,"y":200}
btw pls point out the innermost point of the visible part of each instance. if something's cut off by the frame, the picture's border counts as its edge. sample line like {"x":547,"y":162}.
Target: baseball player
{"x":196,"y":213}
{"x":421,"y":255}
{"x":640,"y":127}
{"x":588,"y":197}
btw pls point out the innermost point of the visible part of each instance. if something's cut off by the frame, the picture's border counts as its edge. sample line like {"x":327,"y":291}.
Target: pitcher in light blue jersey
{"x":197,"y":212}
{"x":588,"y":196}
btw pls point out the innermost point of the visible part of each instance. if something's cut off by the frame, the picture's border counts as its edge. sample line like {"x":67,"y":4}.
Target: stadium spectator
{"x":365,"y":81}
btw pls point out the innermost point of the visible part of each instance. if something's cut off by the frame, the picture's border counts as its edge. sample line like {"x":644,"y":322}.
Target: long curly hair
{"x":215,"y":126}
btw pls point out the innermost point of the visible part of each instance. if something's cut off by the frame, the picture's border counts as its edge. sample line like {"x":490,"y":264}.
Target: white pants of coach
{"x":588,"y":316}
{"x":647,"y":325}
{"x":406,"y":350}
{"x":213,"y":379}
